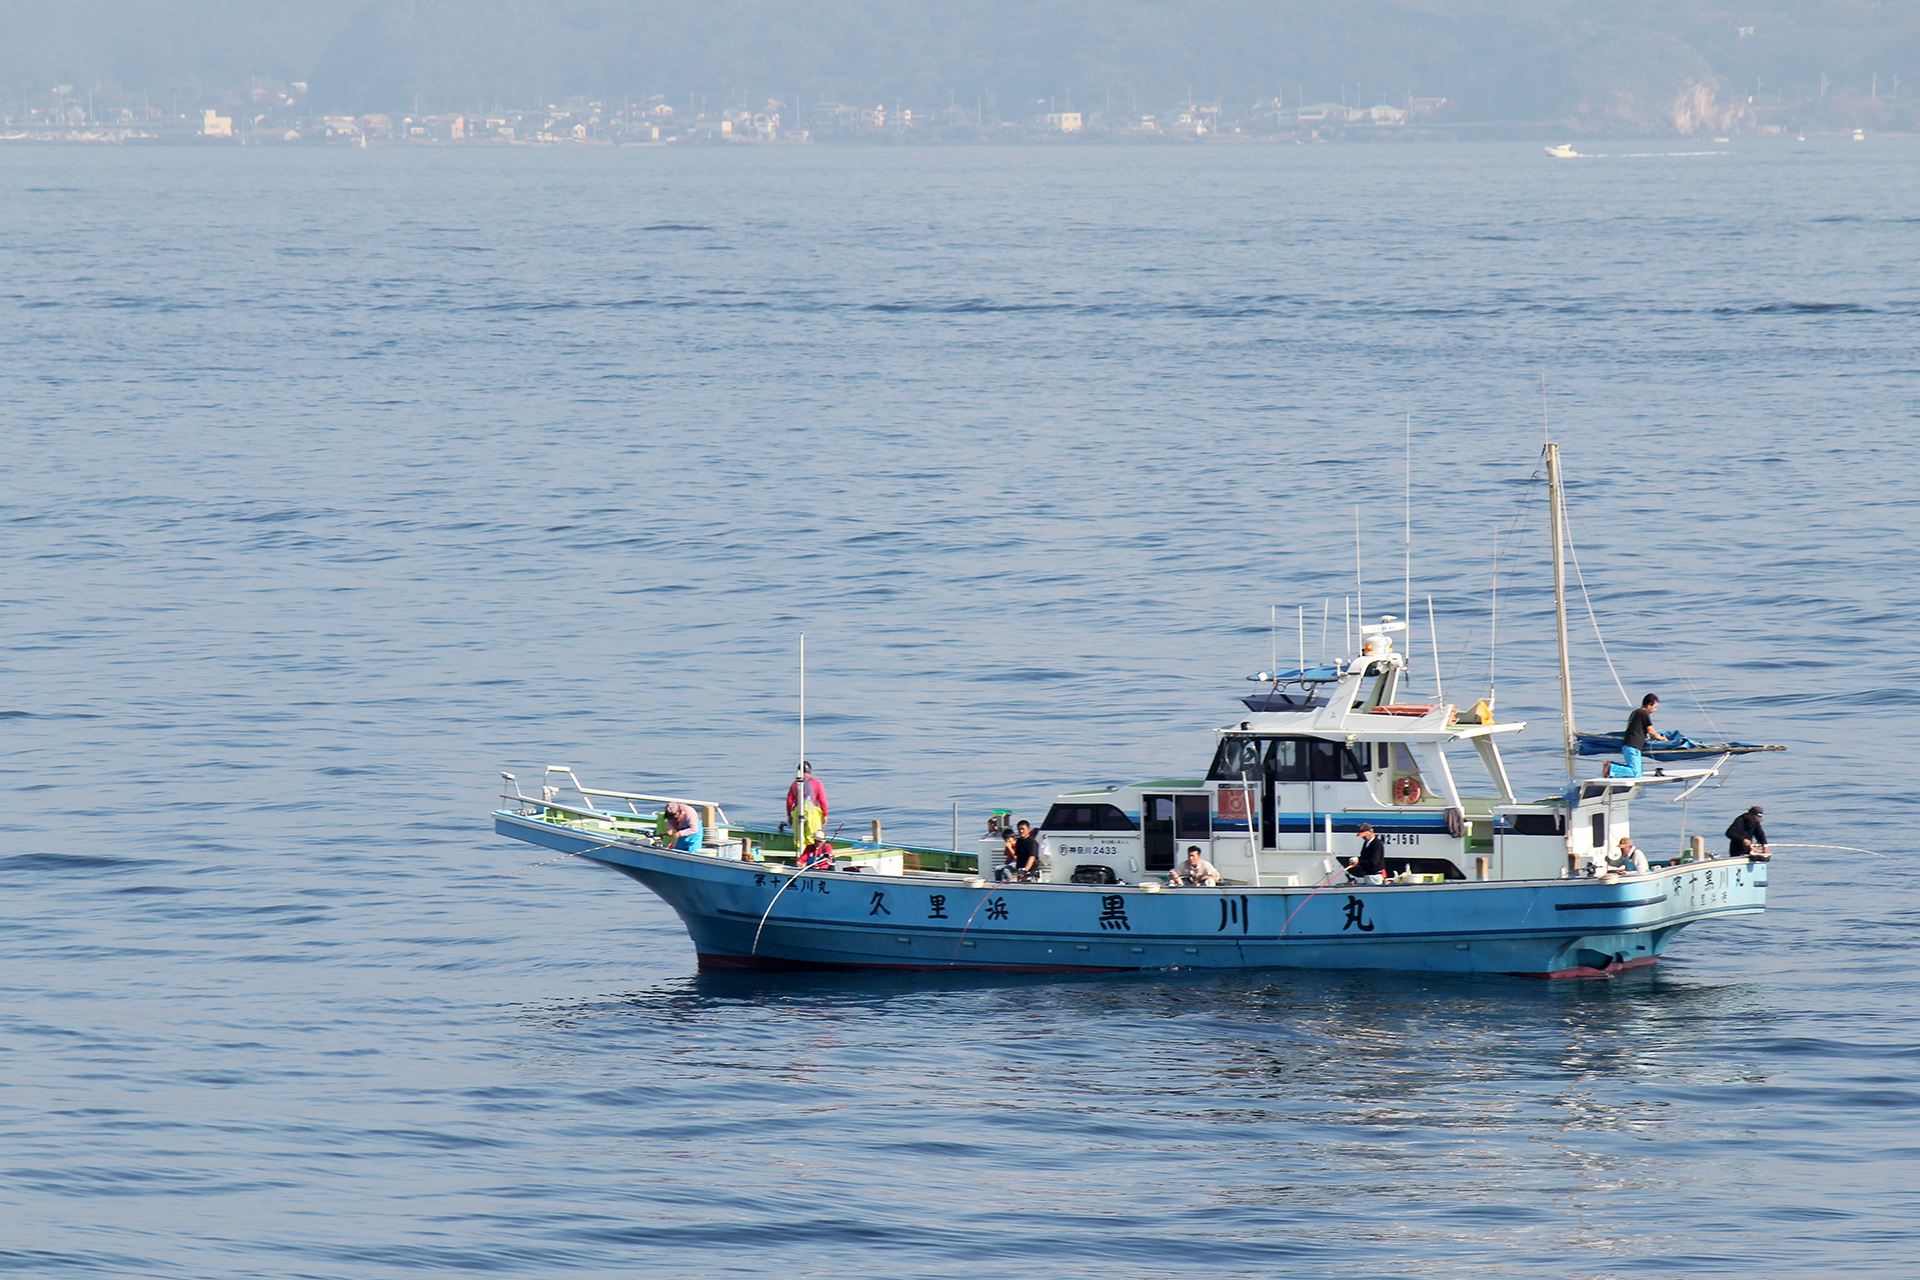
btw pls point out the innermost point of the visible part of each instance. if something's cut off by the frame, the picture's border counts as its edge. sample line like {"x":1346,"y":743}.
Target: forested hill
{"x":1605,"y":63}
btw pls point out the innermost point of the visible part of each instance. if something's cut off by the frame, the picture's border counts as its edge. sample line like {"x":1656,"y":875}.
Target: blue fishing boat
{"x":1481,"y":881}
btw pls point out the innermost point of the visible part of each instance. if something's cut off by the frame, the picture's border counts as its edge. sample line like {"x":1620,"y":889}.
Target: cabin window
{"x":1599,"y":830}
{"x":1538,"y":824}
{"x":1287,"y":760}
{"x":1087,"y":817}
{"x":1193,"y":817}
{"x":1236,"y":758}
{"x":1335,"y":762}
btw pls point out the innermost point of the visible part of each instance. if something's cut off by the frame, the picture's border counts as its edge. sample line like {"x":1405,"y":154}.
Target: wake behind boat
{"x":1325,"y":766}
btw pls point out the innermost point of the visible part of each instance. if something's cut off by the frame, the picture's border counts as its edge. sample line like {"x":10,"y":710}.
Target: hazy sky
{"x":1496,"y":59}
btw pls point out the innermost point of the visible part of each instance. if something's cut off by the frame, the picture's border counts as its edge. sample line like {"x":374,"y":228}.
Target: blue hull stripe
{"x":1608,"y":906}
{"x":1379,"y":935}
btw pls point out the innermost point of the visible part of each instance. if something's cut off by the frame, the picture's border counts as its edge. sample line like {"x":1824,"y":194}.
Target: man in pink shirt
{"x":806,"y":806}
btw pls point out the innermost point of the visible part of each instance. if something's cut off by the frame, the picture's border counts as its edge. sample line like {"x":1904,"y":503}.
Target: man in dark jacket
{"x":1371,"y":866}
{"x":1746,"y":838}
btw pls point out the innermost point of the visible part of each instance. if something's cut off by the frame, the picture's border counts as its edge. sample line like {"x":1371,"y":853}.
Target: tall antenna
{"x":1408,"y":615}
{"x":1273,"y":637}
{"x":803,"y":699}
{"x":1545,"y":435}
{"x":1303,"y":639}
{"x":1433,"y":633}
{"x":1493,"y":623}
{"x":1326,"y":607}
{"x":1359,"y":588}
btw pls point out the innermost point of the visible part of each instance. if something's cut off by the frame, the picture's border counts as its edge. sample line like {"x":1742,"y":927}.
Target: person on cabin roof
{"x":1746,"y":838}
{"x":806,"y":806}
{"x":1371,"y":866}
{"x":683,"y":827}
{"x":1195,"y":871}
{"x":1634,"y":740}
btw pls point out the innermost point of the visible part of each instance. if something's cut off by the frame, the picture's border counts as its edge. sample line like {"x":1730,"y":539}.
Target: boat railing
{"x":719,"y":834}
{"x":712,"y":817}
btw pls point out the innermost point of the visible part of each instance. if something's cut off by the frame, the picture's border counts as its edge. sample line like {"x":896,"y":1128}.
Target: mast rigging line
{"x":1599,"y":639}
{"x":1652,"y":633}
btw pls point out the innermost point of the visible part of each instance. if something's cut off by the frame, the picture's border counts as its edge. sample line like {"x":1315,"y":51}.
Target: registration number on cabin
{"x":1079,"y":849}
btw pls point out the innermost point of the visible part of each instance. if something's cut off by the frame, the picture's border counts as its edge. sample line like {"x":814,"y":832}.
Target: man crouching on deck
{"x":1195,"y":871}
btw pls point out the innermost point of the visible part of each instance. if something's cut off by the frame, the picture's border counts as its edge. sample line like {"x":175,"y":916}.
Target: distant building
{"x":215,"y":125}
{"x":1384,"y":114}
{"x":1064,"y":121}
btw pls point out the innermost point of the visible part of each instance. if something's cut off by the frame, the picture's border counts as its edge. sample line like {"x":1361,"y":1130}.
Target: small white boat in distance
{"x":1564,"y":151}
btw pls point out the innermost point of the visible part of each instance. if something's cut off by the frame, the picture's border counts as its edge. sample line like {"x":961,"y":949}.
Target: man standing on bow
{"x":806,"y":807}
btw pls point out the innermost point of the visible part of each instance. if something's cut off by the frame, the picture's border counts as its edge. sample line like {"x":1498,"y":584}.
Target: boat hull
{"x":744,"y":915}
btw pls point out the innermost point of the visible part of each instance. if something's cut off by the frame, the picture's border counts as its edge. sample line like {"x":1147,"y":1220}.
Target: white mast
{"x":1555,"y":501}
{"x":803,"y":700}
{"x":1408,"y":614}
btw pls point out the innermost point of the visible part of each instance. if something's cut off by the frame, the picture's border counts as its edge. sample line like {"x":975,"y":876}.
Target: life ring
{"x":1408,"y":791}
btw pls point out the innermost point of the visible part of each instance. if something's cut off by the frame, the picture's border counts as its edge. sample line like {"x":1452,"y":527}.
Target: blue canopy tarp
{"x":1676,"y":746}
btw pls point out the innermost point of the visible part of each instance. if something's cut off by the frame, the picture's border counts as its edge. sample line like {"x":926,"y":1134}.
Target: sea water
{"x":338,"y":481}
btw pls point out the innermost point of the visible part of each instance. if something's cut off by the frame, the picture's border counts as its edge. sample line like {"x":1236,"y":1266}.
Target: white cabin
{"x":1291,"y":782}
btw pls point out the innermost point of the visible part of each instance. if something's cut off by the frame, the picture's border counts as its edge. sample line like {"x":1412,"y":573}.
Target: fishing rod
{"x":784,"y":885}
{"x":563,"y":857}
{"x":1309,"y":898}
{"x":1847,"y":848}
